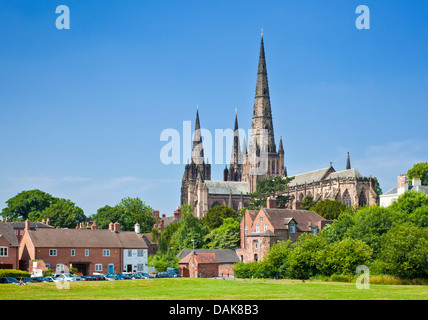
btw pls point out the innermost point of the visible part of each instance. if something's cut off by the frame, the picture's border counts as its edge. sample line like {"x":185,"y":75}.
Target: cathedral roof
{"x":227,"y":187}
{"x":323,"y":174}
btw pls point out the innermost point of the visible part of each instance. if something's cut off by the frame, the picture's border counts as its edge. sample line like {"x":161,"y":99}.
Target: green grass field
{"x":210,"y":289}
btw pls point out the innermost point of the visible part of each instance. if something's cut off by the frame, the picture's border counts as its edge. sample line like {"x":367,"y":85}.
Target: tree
{"x":329,"y":209}
{"x":404,"y":251}
{"x":64,"y":214}
{"x":127,"y":212}
{"x":215,"y":216}
{"x":190,"y":229}
{"x":343,"y":257}
{"x":419,"y":170}
{"x":376,"y":186}
{"x":227,"y":236}
{"x":26,"y":203}
{"x":270,"y":187}
{"x":308,"y":202}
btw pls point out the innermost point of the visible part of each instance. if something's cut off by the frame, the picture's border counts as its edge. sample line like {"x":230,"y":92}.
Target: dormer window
{"x":292,"y":228}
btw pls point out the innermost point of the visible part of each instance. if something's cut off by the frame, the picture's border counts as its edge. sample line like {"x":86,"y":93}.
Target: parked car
{"x":163,"y":274}
{"x":26,"y":280}
{"x":8,"y":280}
{"x":122,"y":276}
{"x":42,"y":279}
{"x":86,"y":278}
{"x":174,"y":275}
{"x":111,"y":277}
{"x":97,"y":277}
{"x":145,"y":275}
{"x":61,"y":277}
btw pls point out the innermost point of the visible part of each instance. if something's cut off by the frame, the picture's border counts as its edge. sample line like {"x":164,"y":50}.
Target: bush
{"x":13,"y":273}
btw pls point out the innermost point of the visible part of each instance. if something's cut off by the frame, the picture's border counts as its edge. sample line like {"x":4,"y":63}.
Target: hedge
{"x":13,"y":273}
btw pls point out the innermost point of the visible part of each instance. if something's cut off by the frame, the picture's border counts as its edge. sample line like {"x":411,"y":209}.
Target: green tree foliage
{"x":227,"y":236}
{"x":37,"y":205}
{"x":405,"y":251}
{"x":190,"y":228}
{"x":127,"y":212}
{"x":376,"y":186}
{"x":343,"y":257}
{"x":270,"y":187}
{"x":419,"y":170}
{"x":329,"y":209}
{"x":308,"y":202}
{"x":163,"y":261}
{"x":64,"y":214}
{"x":215,"y":216}
{"x":27,"y":203}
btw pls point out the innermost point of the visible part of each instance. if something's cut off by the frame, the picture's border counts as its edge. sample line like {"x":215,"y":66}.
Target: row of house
{"x":36,"y":246}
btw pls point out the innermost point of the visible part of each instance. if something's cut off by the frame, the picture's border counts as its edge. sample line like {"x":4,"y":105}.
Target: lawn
{"x":211,"y":289}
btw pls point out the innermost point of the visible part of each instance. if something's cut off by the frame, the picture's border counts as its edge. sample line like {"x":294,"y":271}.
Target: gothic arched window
{"x":362,"y":201}
{"x":347,"y":198}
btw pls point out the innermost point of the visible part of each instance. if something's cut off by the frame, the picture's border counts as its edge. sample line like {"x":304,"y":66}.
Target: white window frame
{"x":292,"y":228}
{"x":140,"y":252}
{"x":265,"y":227}
{"x":53,"y":252}
{"x":86,"y":252}
{"x":256,"y":244}
{"x":129,"y":252}
{"x":257,"y":228}
{"x":73,"y":252}
{"x":314,"y":230}
{"x":246,"y":230}
{"x":60,"y":267}
{"x":4,"y":252}
{"x":98,"y":267}
{"x":106,"y":252}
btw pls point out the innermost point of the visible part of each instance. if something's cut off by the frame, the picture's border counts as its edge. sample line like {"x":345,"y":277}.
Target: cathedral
{"x":261,"y":160}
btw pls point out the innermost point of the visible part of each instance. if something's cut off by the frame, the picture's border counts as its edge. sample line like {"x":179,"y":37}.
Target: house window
{"x":60,"y":267}
{"x":106,"y":253}
{"x":256,"y":244}
{"x":3,"y":252}
{"x":292,"y":228}
{"x":347,"y":199}
{"x":246,"y":230}
{"x":52,"y":252}
{"x":265,"y":227}
{"x":140,"y":266}
{"x":140,"y":253}
{"x":16,"y":232}
{"x":314,"y":230}
{"x":86,"y":252}
{"x":261,"y":218}
{"x":129,"y":253}
{"x":98,"y":267}
{"x":257,"y":228}
{"x":73,"y":252}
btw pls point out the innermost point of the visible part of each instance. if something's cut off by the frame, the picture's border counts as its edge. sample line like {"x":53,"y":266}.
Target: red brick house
{"x":207,"y":263}
{"x":9,"y":247}
{"x":90,"y":250}
{"x":260,"y":229}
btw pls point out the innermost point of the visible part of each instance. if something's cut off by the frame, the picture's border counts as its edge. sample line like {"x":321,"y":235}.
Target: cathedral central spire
{"x":262,"y":113}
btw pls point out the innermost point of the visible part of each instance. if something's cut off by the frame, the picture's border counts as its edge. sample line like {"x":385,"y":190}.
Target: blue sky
{"x":82,"y":110}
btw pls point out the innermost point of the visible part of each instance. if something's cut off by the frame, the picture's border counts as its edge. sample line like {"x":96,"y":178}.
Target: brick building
{"x":260,"y":229}
{"x":207,"y":263}
{"x":90,"y":250}
{"x":9,"y":247}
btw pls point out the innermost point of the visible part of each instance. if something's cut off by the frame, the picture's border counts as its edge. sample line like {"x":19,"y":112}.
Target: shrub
{"x":13,"y":273}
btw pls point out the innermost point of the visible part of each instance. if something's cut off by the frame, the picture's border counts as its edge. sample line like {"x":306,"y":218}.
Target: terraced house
{"x":90,"y":250}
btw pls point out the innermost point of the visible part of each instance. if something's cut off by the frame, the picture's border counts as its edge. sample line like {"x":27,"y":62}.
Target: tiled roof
{"x":200,"y":258}
{"x":6,"y":230}
{"x":279,"y":218}
{"x":33,"y":224}
{"x":222,"y":255}
{"x":85,"y":238}
{"x":323,"y":174}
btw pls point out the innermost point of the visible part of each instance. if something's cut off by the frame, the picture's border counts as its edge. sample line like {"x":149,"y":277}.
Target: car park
{"x":8,"y":280}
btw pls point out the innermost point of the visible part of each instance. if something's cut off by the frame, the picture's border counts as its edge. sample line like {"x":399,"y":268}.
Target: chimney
{"x":77,"y":226}
{"x":48,"y":222}
{"x":110,"y":226}
{"x":94,"y":226}
{"x":27,"y":225}
{"x":156,"y":214}
{"x":137,"y":228}
{"x":116,"y":227}
{"x":402,"y":184}
{"x":271,"y":203}
{"x":416,"y":181}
